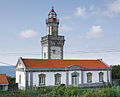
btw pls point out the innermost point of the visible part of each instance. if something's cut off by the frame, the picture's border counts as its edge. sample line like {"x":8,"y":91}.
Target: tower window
{"x":19,"y":79}
{"x":44,"y":55}
{"x":53,"y":51}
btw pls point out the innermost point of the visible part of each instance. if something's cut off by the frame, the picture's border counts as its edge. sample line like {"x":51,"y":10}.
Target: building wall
{"x":22,"y":85}
{"x":3,"y":87}
{"x":57,"y":54}
{"x":33,"y":77}
{"x":95,"y":76}
{"x":50,"y":77}
{"x":49,"y":80}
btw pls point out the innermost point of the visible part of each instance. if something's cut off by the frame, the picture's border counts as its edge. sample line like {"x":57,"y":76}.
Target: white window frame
{"x":42,"y":79}
{"x":57,"y":79}
{"x":89,"y":77}
{"x":101,"y":78}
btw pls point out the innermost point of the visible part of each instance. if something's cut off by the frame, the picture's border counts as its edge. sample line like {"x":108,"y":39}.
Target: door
{"x":75,"y":80}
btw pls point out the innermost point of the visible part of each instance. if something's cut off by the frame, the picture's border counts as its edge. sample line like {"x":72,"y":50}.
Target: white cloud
{"x":95,"y":32}
{"x":93,"y":10}
{"x":65,"y":28}
{"x":28,"y":34}
{"x":112,"y":9}
{"x":80,"y":12}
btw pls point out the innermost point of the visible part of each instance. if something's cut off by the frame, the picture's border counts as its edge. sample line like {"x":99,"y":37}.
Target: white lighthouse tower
{"x":52,"y":43}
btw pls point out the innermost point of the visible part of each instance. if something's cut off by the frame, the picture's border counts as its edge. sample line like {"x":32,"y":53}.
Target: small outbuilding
{"x":3,"y":82}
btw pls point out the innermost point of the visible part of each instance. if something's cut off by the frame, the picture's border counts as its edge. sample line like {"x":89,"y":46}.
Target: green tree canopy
{"x":116,"y":72}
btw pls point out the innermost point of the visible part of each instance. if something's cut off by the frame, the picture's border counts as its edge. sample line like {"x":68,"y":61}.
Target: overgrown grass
{"x":63,"y":91}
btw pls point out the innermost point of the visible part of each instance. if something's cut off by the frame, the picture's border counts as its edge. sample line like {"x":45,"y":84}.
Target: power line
{"x":12,"y":53}
{"x":80,"y":52}
{"x":66,"y":52}
{"x":5,"y":63}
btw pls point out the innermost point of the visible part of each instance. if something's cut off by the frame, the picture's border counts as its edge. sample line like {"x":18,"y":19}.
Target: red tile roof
{"x":3,"y":79}
{"x":57,"y":63}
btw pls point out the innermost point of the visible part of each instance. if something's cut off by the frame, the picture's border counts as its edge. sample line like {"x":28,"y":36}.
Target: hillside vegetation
{"x":62,"y":91}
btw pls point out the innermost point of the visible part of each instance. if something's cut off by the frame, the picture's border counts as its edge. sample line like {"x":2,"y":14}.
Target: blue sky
{"x":91,"y":28}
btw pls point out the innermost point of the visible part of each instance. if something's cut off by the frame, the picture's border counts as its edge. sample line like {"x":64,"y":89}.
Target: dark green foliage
{"x":12,"y":84}
{"x":105,"y":92}
{"x":11,"y":80}
{"x":116,"y":72}
{"x":62,"y":91}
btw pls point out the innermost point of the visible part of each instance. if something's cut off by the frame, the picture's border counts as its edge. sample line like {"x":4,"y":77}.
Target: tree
{"x":11,"y":80}
{"x":116,"y":72}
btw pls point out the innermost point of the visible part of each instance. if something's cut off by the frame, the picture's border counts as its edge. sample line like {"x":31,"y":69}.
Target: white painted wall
{"x":20,"y":65}
{"x":4,"y":87}
{"x":57,"y":54}
{"x":110,"y":76}
{"x":50,"y":78}
{"x":95,"y":76}
{"x":22,"y":85}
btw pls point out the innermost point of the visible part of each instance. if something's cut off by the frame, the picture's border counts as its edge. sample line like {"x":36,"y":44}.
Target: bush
{"x":62,"y":91}
{"x":105,"y":92}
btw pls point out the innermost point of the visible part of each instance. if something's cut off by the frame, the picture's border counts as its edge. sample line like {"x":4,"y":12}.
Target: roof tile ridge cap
{"x":104,"y":63}
{"x":80,"y":59}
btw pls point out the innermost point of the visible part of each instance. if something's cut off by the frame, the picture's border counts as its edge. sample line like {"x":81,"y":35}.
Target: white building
{"x":3,"y":82}
{"x":37,"y":72}
{"x":52,"y":70}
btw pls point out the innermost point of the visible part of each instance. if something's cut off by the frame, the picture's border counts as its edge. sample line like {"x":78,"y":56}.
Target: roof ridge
{"x":62,"y":59}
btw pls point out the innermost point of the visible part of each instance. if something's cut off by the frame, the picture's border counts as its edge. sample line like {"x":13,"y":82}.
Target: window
{"x":44,"y":55}
{"x":75,"y":76}
{"x":57,"y":79}
{"x":101,"y":77}
{"x":1,"y":87}
{"x":19,"y":79}
{"x":42,"y":79}
{"x":53,"y":51}
{"x":89,"y":77}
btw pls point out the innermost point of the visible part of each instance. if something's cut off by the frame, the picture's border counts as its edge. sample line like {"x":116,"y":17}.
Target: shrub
{"x":105,"y":92}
